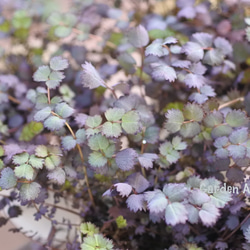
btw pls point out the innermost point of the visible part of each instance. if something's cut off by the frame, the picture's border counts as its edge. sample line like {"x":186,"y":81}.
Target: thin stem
{"x":82,"y":159}
{"x":112,"y":90}
{"x":142,"y":151}
{"x":62,"y":208}
{"x":13,"y":99}
{"x":48,"y":91}
{"x":141,"y":71}
{"x":239,"y":99}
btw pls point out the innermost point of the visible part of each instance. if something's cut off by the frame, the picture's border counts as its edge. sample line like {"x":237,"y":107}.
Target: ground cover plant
{"x":136,"y":112}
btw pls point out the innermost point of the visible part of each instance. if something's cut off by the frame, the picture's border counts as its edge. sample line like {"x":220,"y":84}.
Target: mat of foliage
{"x":135,"y":111}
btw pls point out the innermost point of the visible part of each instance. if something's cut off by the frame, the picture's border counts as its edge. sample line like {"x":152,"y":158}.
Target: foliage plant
{"x":133,"y":122}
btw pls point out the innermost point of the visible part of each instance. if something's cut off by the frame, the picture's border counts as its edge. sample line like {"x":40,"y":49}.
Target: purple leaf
{"x":175,"y":213}
{"x":194,"y":51}
{"x":146,"y":160}
{"x":126,"y":159}
{"x":162,"y":71}
{"x":136,"y":202}
{"x":209,"y":214}
{"x":138,"y":36}
{"x":123,"y":189}
{"x":138,"y":182}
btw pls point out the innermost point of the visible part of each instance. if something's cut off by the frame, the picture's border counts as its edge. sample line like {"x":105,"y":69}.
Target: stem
{"x":48,"y":90}
{"x":141,"y":71}
{"x":142,"y":151}
{"x":11,"y":98}
{"x":62,"y":208}
{"x":239,"y":99}
{"x":112,"y":90}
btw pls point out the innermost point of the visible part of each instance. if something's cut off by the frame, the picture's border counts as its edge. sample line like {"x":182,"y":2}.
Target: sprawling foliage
{"x":142,"y":126}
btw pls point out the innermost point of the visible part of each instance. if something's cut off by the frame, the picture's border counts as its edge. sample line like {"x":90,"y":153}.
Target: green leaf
{"x":58,"y":63}
{"x":114,"y":114}
{"x":55,"y":78}
{"x":30,"y":130}
{"x":54,"y":123}
{"x":88,"y":228}
{"x":20,"y":158}
{"x":131,"y":122}
{"x":64,"y":110}
{"x":193,"y":112}
{"x":93,"y":121}
{"x":41,"y":151}
{"x":175,"y":119}
{"x":178,"y":144}
{"x":29,"y":191}
{"x":96,"y":159}
{"x":167,"y":150}
{"x":8,"y":179}
{"x":42,"y":114}
{"x":221,"y":130}
{"x":80,"y":136}
{"x":68,"y":142}
{"x":109,"y":151}
{"x":97,"y":241}
{"x":121,"y":222}
{"x":1,"y":151}
{"x":98,"y":142}
{"x":51,"y":162}
{"x":36,"y":162}
{"x":111,"y":129}
{"x":55,"y":18}
{"x":213,"y":119}
{"x":214,"y":57}
{"x":42,"y":74}
{"x":24,"y":171}
{"x":62,"y":31}
{"x":189,"y":130}
{"x":236,"y":118}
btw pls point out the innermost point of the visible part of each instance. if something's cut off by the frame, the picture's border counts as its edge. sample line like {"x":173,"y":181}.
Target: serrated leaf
{"x":20,"y":158}
{"x":90,"y":77}
{"x":175,"y":119}
{"x":221,"y":153}
{"x":193,"y":112}
{"x":151,"y":134}
{"x":126,"y":158}
{"x":232,"y":222}
{"x":8,"y":179}
{"x":162,"y":72}
{"x":247,"y":234}
{"x":181,"y":64}
{"x":138,"y":182}
{"x":178,"y":144}
{"x":236,"y":118}
{"x":194,"y":51}
{"x":213,"y":119}
{"x":36,"y":162}
{"x":138,"y":36}
{"x":110,"y":150}
{"x":175,"y":192}
{"x":237,"y":151}
{"x":68,"y":142}
{"x":197,"y":197}
{"x":204,"y":39}
{"x":42,"y":114}
{"x":221,"y":130}
{"x":175,"y":213}
{"x":167,"y":150}
{"x":189,"y":130}
{"x":146,"y":160}
{"x":96,"y":159}
{"x":30,"y":130}
{"x":41,"y":151}
{"x":209,"y":214}
{"x":93,"y":121}
{"x":24,"y":171}
{"x":98,"y":142}
{"x":55,"y":78}
{"x":156,"y":49}
{"x":57,"y":175}
{"x":239,"y":136}
{"x":136,"y":202}
{"x":123,"y":189}
{"x":64,"y":110}
{"x":131,"y":122}
{"x":221,"y":198}
{"x":54,"y":123}
{"x":194,"y":81}
{"x":193,"y":213}
{"x":222,"y":44}
{"x":156,"y":200}
{"x":42,"y":74}
{"x":114,"y":114}
{"x":97,"y":241}
{"x":52,"y":161}
{"x":58,"y":63}
{"x":111,"y":129}
{"x":80,"y":136}
{"x":88,"y":228}
{"x":213,"y":57}
{"x":29,"y":191}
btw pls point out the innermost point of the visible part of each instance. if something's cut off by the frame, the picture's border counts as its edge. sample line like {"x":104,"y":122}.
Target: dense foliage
{"x":137,"y":112}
